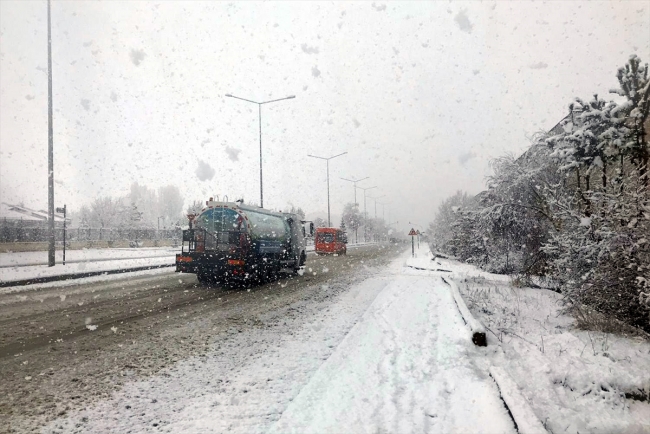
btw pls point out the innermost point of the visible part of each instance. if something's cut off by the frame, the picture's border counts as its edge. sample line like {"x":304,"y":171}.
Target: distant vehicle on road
{"x":229,"y":241}
{"x":330,"y":241}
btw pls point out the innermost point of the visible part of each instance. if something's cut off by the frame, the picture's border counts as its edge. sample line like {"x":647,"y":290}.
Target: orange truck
{"x":328,"y":241}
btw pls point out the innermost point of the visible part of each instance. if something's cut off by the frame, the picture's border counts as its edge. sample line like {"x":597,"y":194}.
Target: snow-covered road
{"x":388,"y":354}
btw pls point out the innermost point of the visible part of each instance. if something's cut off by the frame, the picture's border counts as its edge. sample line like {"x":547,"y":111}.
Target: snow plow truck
{"x":232,"y":242}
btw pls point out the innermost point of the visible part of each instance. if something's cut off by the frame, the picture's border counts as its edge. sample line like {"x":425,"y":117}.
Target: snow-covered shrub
{"x":515,"y":215}
{"x":575,"y":208}
{"x":601,"y":254}
{"x":454,"y":229}
{"x":603,"y":263}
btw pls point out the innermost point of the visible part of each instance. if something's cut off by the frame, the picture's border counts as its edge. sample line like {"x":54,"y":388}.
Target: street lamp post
{"x":375,"y":199}
{"x":327,"y":159}
{"x":383,"y":217}
{"x":356,"y":229}
{"x":365,"y":213}
{"x":50,"y":145}
{"x":383,"y":208}
{"x":355,"y":186}
{"x":390,"y":225}
{"x":259,"y":106}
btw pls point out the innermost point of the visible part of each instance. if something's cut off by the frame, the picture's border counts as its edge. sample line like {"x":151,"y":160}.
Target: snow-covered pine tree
{"x":601,"y":255}
{"x":635,"y":87}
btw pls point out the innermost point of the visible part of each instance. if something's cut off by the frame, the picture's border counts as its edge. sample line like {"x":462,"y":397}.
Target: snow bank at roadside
{"x":21,"y":259}
{"x":34,"y":271}
{"x":86,"y":280}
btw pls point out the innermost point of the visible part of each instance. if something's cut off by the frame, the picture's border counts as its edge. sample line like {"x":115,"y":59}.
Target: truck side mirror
{"x":306,"y":228}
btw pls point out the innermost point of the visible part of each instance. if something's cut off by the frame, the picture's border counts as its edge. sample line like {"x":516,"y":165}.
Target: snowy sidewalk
{"x":405,"y":367}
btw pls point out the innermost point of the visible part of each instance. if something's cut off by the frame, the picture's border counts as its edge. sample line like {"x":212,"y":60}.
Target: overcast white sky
{"x":420,"y":95}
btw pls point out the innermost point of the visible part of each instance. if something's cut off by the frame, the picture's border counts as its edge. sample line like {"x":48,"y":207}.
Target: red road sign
{"x":413,"y":232}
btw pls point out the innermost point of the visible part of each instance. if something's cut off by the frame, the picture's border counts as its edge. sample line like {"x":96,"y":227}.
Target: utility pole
{"x":375,"y":236}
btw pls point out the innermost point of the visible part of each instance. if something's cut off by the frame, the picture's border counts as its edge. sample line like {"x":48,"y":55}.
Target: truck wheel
{"x":204,"y":278}
{"x":271,"y":275}
{"x":301,"y":262}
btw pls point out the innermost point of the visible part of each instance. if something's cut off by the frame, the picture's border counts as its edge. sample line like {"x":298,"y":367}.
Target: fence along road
{"x":12,"y":231}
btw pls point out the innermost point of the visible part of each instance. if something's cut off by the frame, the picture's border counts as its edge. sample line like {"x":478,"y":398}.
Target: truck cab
{"x":329,"y":241}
